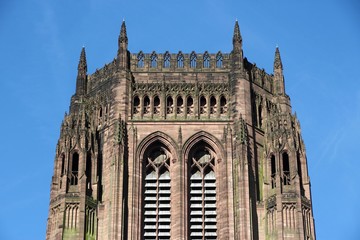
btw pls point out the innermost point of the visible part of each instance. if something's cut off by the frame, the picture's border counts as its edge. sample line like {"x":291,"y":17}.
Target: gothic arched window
{"x":62,"y":165}
{"x":219,"y":60}
{"x":88,"y":173}
{"x":140,"y":60}
{"x":157,"y":188}
{"x":180,"y":60}
{"x":193,"y":60}
{"x":153,"y":60}
{"x":202,"y":192}
{"x":206,"y":60}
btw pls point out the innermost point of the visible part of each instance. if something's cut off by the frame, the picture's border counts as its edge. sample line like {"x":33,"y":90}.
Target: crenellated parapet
{"x":180,"y":62}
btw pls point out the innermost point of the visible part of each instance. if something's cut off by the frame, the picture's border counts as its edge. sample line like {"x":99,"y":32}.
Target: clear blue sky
{"x":40,"y":47}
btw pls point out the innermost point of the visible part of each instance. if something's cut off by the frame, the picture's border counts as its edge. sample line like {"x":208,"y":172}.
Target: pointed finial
{"x":123,"y":35}
{"x":82,"y":71}
{"x":82,"y":62}
{"x":237,"y":35}
{"x":277,"y":60}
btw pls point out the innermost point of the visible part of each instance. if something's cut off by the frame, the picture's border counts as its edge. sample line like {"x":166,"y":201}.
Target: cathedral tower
{"x":180,"y":146}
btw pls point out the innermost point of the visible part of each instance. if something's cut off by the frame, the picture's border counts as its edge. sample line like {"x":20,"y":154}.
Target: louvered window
{"x":157,"y":197}
{"x":203,"y":196}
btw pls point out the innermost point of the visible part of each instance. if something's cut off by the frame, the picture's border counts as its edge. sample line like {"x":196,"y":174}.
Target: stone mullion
{"x":163,"y":103}
{"x":175,"y":105}
{"x":141,"y":96}
{"x":151,"y":97}
{"x":185,"y":106}
{"x":208,"y":105}
{"x":217,"y":106}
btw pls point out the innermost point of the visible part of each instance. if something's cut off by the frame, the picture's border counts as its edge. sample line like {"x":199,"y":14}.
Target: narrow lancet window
{"x":286,"y":169}
{"x":169,"y":105}
{"x":190,"y":106}
{"x":156,"y":105}
{"x":136,"y":104}
{"x":203,"y":105}
{"x":223,"y":106}
{"x":62,"y":165}
{"x":179,"y":105}
{"x":213,"y":105}
{"x":88,"y":173}
{"x":273,"y":171}
{"x":74,"y":169}
{"x":146,"y":109}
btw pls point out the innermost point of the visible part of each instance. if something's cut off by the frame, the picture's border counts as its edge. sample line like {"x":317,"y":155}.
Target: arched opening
{"x":140,"y":58}
{"x":180,"y":60}
{"x":273,"y":171}
{"x":136,"y":104}
{"x":206,"y":60}
{"x":193,"y":60}
{"x":153,"y":60}
{"x":146,"y":105}
{"x":202,"y":187}
{"x":223,"y":105}
{"x":213,"y":106}
{"x":169,"y":105}
{"x":179,"y":105}
{"x":286,"y":169}
{"x":219,"y":60}
{"x":190,"y":106}
{"x":156,"y":105}
{"x":167,"y":58}
{"x":203,"y":109}
{"x":157,"y":185}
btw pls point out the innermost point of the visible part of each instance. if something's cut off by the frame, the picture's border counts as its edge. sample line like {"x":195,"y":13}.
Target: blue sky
{"x":40,"y":47}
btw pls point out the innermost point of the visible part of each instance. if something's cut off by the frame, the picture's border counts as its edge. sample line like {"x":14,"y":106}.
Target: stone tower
{"x":180,"y":146}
